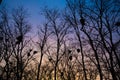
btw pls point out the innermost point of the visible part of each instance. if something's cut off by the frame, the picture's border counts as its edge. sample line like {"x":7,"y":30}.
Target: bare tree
{"x":104,"y":19}
{"x":43,"y":35}
{"x":72,"y":17}
{"x":5,"y":43}
{"x":99,"y":29}
{"x":58,"y":29}
{"x":21,"y":52}
{"x":16,"y":50}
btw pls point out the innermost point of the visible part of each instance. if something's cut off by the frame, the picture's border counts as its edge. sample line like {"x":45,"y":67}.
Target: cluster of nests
{"x":29,"y":52}
{"x":70,"y":58}
{"x":82,"y":21}
{"x":19,"y":39}
{"x":69,"y":51}
{"x":70,"y":55}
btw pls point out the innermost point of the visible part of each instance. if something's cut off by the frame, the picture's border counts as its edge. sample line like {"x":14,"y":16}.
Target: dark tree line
{"x":81,"y":42}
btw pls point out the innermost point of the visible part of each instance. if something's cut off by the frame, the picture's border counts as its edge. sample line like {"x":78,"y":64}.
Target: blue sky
{"x":34,"y":7}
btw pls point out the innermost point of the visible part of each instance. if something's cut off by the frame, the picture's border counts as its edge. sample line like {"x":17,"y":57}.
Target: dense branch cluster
{"x":80,"y":43}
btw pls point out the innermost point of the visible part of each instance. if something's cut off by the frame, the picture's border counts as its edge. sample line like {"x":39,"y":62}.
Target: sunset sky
{"x":80,"y":41}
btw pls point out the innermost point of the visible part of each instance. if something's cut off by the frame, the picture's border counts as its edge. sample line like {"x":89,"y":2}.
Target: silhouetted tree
{"x":97,"y":21}
{"x":16,"y":50}
{"x":73,"y":21}
{"x":58,"y":28}
{"x":43,"y":35}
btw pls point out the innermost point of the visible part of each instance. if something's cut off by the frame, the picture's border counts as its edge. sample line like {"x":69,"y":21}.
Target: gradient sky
{"x":34,"y":7}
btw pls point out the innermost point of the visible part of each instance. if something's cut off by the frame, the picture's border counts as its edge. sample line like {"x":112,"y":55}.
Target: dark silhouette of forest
{"x":81,"y":42}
